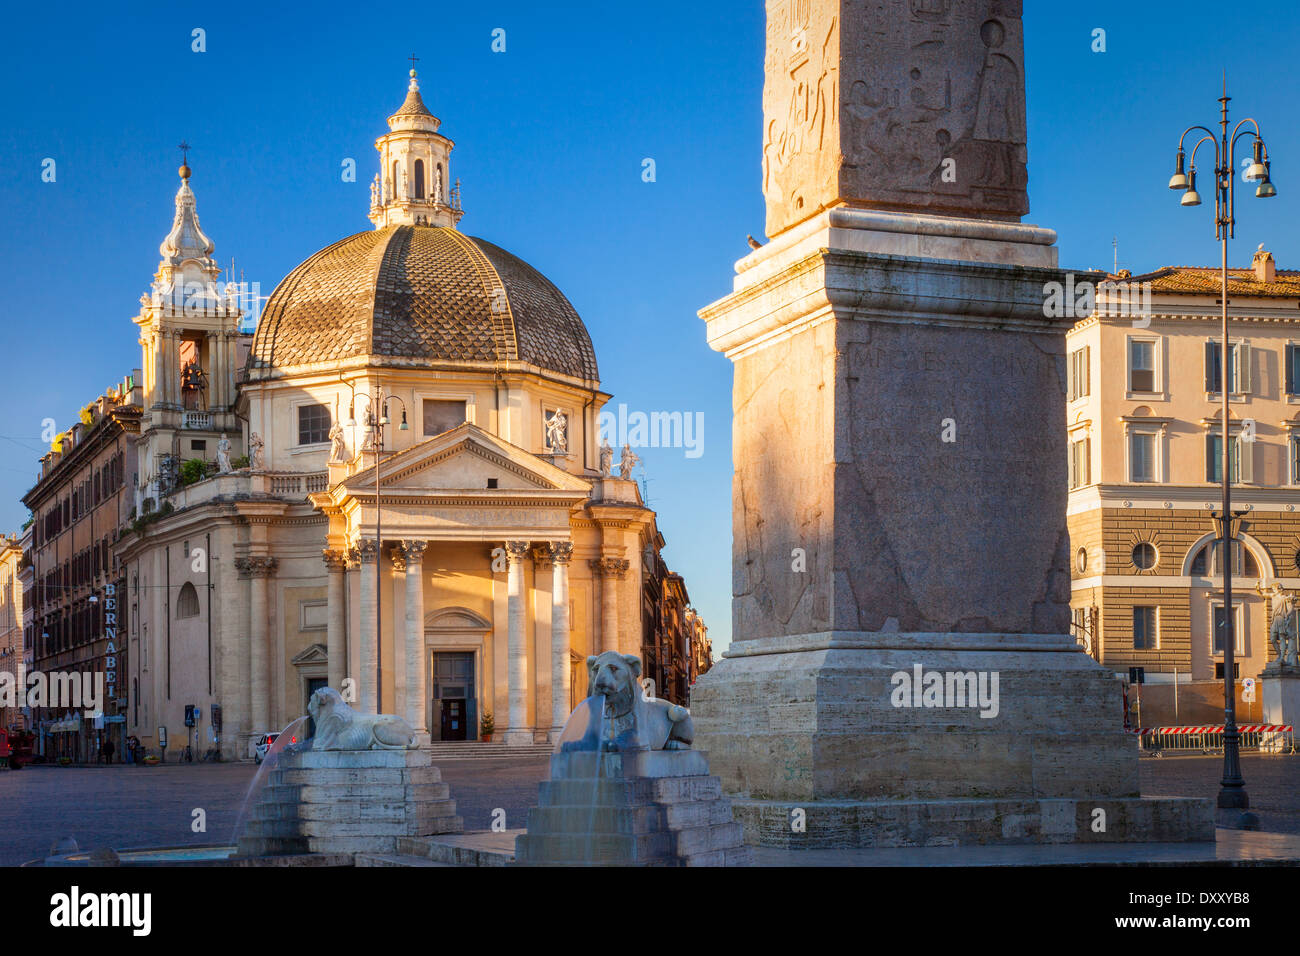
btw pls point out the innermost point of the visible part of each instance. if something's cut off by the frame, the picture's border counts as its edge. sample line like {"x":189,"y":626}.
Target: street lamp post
{"x":1232,"y":788}
{"x":376,"y":424}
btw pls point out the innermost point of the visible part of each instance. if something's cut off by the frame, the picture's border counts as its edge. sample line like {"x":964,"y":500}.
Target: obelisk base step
{"x":817,"y":824}
{"x":878,"y":739}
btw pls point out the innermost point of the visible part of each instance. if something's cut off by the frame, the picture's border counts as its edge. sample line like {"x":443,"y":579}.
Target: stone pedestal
{"x":348,"y":801}
{"x":899,"y":519}
{"x":650,"y":808}
{"x":1280,"y":699}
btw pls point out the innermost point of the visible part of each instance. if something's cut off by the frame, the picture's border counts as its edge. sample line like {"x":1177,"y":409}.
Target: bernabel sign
{"x":70,"y":690}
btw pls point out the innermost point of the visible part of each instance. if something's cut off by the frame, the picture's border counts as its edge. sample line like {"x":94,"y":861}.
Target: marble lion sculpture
{"x":339,"y":727}
{"x":636,"y":723}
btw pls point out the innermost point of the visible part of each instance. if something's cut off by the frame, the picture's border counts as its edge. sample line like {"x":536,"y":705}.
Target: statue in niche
{"x":557,"y":432}
{"x":374,"y":191}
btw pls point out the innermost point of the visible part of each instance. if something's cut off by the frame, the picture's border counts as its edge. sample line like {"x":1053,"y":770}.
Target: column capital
{"x":609,"y":567}
{"x":353,"y":561}
{"x":516,"y":551}
{"x":561,"y":551}
{"x":413,"y":550}
{"x":367,"y":550}
{"x":334,"y":560}
{"x":541,"y":557}
{"x":257,"y":566}
{"x":397,"y":556}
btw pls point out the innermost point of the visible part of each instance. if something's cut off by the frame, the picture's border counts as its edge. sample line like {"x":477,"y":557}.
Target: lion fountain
{"x":625,"y":786}
{"x":335,"y":795}
{"x":339,"y":727}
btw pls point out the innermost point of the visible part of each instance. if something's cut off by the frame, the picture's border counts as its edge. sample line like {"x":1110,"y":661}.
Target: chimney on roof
{"x":1264,"y":267}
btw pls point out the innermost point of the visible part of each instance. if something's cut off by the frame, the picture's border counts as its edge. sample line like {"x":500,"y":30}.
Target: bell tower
{"x":189,"y":326}
{"x":414,"y":185}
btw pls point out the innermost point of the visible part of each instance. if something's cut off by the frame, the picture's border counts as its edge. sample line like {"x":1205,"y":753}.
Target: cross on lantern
{"x":413,"y":58}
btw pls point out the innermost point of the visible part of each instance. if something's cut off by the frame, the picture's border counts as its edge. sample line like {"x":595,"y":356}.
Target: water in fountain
{"x":292,"y":739}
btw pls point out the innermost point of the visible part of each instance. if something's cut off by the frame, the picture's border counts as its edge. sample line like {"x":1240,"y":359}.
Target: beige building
{"x":419,"y":414}
{"x":11,"y":624}
{"x":1145,"y":424}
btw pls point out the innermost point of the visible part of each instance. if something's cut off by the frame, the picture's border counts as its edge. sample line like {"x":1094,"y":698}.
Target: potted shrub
{"x":486,"y":727}
{"x":150,"y":760}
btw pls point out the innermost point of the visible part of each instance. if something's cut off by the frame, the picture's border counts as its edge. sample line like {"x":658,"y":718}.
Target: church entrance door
{"x":453,"y":694}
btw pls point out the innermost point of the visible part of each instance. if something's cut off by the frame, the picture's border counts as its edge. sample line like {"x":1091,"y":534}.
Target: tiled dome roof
{"x":418,"y":295}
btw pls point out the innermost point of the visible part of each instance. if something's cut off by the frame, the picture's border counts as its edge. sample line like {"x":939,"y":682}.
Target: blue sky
{"x":550,"y":138}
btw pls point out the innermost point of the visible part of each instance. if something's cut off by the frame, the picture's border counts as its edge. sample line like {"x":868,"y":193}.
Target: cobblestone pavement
{"x":1272,"y":783}
{"x":125,"y":806}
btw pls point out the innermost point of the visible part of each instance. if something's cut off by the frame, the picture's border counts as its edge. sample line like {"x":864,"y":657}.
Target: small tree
{"x":192,"y":470}
{"x":486,"y":726}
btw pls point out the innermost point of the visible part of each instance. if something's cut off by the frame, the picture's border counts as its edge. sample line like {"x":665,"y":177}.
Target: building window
{"x":187,"y":603}
{"x":1081,"y":560}
{"x":1206,"y":561}
{"x":1292,"y":369}
{"x":1142,"y":456}
{"x":1078,"y":376}
{"x":1080,"y":462}
{"x":419,"y":179}
{"x":1236,"y":671}
{"x":1144,"y":556}
{"x":1200,"y":563}
{"x":313,"y":424}
{"x":1146,"y":636}
{"x":1238,"y":368}
{"x":1240,"y":465}
{"x":442,"y":416}
{"x":1294,"y":442}
{"x":1141,"y":365}
{"x":1239,"y":642}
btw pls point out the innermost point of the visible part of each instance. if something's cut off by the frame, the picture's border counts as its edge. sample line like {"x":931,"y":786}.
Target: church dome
{"x":416,"y":295}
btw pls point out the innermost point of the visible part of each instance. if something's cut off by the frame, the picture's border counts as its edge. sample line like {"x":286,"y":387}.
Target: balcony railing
{"x":197,"y":420}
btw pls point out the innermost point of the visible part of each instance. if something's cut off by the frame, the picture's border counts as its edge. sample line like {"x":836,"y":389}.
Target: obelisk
{"x":900,"y":670}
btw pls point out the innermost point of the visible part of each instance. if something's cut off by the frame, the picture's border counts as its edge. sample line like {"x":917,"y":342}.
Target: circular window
{"x":1081,"y":560}
{"x":1144,"y":556}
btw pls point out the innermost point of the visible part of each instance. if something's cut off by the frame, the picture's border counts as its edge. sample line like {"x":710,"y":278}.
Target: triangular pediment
{"x":467,"y":459}
{"x":313,"y":654}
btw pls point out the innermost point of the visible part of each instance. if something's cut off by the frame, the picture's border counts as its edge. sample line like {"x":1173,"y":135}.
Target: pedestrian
{"x":109,"y":749}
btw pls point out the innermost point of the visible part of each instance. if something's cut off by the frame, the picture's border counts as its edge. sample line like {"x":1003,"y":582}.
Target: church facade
{"x":401,"y":491}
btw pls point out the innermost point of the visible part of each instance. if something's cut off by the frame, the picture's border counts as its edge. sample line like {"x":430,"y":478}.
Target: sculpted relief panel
{"x":913,"y":105}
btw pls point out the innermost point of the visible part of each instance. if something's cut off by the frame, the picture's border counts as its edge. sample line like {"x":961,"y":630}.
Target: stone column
{"x":610,"y":571}
{"x":335,"y":563}
{"x":258,"y":569}
{"x":516,"y":620}
{"x":417,"y":692}
{"x":398,"y":604}
{"x":368,"y":552}
{"x":561,"y":554}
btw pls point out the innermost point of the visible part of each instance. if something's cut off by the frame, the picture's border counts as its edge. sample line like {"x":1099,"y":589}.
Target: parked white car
{"x":261,"y":744}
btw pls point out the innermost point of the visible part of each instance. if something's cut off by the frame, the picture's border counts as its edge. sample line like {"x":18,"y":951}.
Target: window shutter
{"x":1210,"y":458}
{"x":1246,"y":454}
{"x":1087,"y":371}
{"x":1290,"y":369}
{"x":1211,"y":367}
{"x":1074,"y":478}
{"x":1071,"y":380}
{"x":1087,"y":461}
{"x":1243,"y":368}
